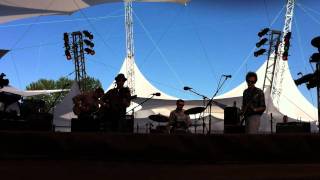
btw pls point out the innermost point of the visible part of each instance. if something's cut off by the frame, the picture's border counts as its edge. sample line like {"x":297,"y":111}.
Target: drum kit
{"x":164,"y":129}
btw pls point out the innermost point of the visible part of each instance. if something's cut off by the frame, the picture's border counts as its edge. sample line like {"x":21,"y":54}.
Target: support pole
{"x":318,"y":92}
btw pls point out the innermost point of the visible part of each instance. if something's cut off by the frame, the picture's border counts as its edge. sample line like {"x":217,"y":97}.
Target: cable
{"x":203,"y":48}
{"x":267,"y":12}
{"x":297,"y":106}
{"x":314,"y":11}
{"x":245,"y":61}
{"x":34,"y":46}
{"x":307,"y":13}
{"x":277,"y":16}
{"x":104,"y":64}
{"x":161,"y":37}
{"x":158,"y":49}
{"x":16,"y":70}
{"x":93,"y":27}
{"x":302,"y":55}
{"x":20,"y":39}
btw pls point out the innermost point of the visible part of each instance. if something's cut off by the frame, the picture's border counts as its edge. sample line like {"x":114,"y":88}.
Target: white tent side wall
{"x":63,"y":112}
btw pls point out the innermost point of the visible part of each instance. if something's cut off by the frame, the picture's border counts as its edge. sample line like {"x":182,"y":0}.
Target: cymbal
{"x":195,"y":110}
{"x":159,"y":118}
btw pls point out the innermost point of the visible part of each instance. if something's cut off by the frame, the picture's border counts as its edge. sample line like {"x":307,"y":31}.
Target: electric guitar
{"x":247,"y":109}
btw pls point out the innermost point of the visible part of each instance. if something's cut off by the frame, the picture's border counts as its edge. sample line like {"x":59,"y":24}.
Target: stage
{"x":38,"y":155}
{"x":215,"y":148}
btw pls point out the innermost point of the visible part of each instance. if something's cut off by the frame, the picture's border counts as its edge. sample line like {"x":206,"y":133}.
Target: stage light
{"x":315,"y":58}
{"x":66,"y":40}
{"x":89,"y":51}
{"x":261,"y":42}
{"x":303,"y":79}
{"x":263,"y":32}
{"x":88,"y":43}
{"x":88,"y":34}
{"x":259,"y":52}
{"x":316,"y":42}
{"x":68,"y":55}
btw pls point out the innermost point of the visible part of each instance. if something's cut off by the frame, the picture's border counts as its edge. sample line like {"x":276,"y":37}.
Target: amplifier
{"x":127,"y":124}
{"x":231,"y":116}
{"x":293,"y":127}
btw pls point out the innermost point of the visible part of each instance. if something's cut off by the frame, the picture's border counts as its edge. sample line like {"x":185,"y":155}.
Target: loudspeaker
{"x":231,"y":116}
{"x":293,"y":127}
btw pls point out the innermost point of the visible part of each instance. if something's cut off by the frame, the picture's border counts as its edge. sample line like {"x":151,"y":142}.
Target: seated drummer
{"x":178,"y":120}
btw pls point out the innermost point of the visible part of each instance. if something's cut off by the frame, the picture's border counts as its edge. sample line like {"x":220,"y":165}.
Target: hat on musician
{"x":120,"y":77}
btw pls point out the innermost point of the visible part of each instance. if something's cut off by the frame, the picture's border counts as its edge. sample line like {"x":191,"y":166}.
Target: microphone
{"x":186,"y":88}
{"x":156,"y":94}
{"x":227,"y":76}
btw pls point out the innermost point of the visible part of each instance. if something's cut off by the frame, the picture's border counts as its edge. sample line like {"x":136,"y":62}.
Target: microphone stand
{"x":203,"y":96}
{"x":140,"y":104}
{"x":144,"y":101}
{"x":204,"y":103}
{"x":211,"y":100}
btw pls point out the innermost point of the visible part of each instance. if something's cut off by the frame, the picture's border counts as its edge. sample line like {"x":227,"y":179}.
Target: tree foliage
{"x":62,"y":83}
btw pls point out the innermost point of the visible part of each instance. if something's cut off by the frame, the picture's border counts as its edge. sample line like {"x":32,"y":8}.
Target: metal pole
{"x":271,"y":121}
{"x":318,"y":93}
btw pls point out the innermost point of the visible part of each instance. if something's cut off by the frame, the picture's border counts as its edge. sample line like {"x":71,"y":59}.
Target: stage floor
{"x":84,"y":170}
{"x":48,"y":155}
{"x":188,"y":148}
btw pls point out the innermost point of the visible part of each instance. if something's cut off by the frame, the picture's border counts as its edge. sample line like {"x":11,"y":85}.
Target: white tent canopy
{"x":19,"y":9}
{"x":144,"y":87}
{"x":13,"y":90}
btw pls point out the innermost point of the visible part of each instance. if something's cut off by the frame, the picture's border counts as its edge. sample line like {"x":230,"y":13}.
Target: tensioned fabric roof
{"x":18,"y":9}
{"x":13,"y":90}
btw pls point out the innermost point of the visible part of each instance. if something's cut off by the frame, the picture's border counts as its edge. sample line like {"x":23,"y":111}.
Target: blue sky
{"x":175,"y":45}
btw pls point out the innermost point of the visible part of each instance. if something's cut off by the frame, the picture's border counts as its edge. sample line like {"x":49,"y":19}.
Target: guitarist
{"x":118,"y":99}
{"x":253,"y":104}
{"x":87,"y":103}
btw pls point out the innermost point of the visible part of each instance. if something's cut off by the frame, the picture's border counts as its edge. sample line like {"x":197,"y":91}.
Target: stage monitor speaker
{"x":231,"y":116}
{"x":293,"y":127}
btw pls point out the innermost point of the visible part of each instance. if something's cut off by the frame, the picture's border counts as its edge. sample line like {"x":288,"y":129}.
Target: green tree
{"x":62,"y":83}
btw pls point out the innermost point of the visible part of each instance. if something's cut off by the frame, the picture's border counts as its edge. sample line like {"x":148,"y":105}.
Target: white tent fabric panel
{"x":63,"y":112}
{"x":292,"y":102}
{"x":13,"y":90}
{"x":143,"y":88}
{"x":19,"y":9}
